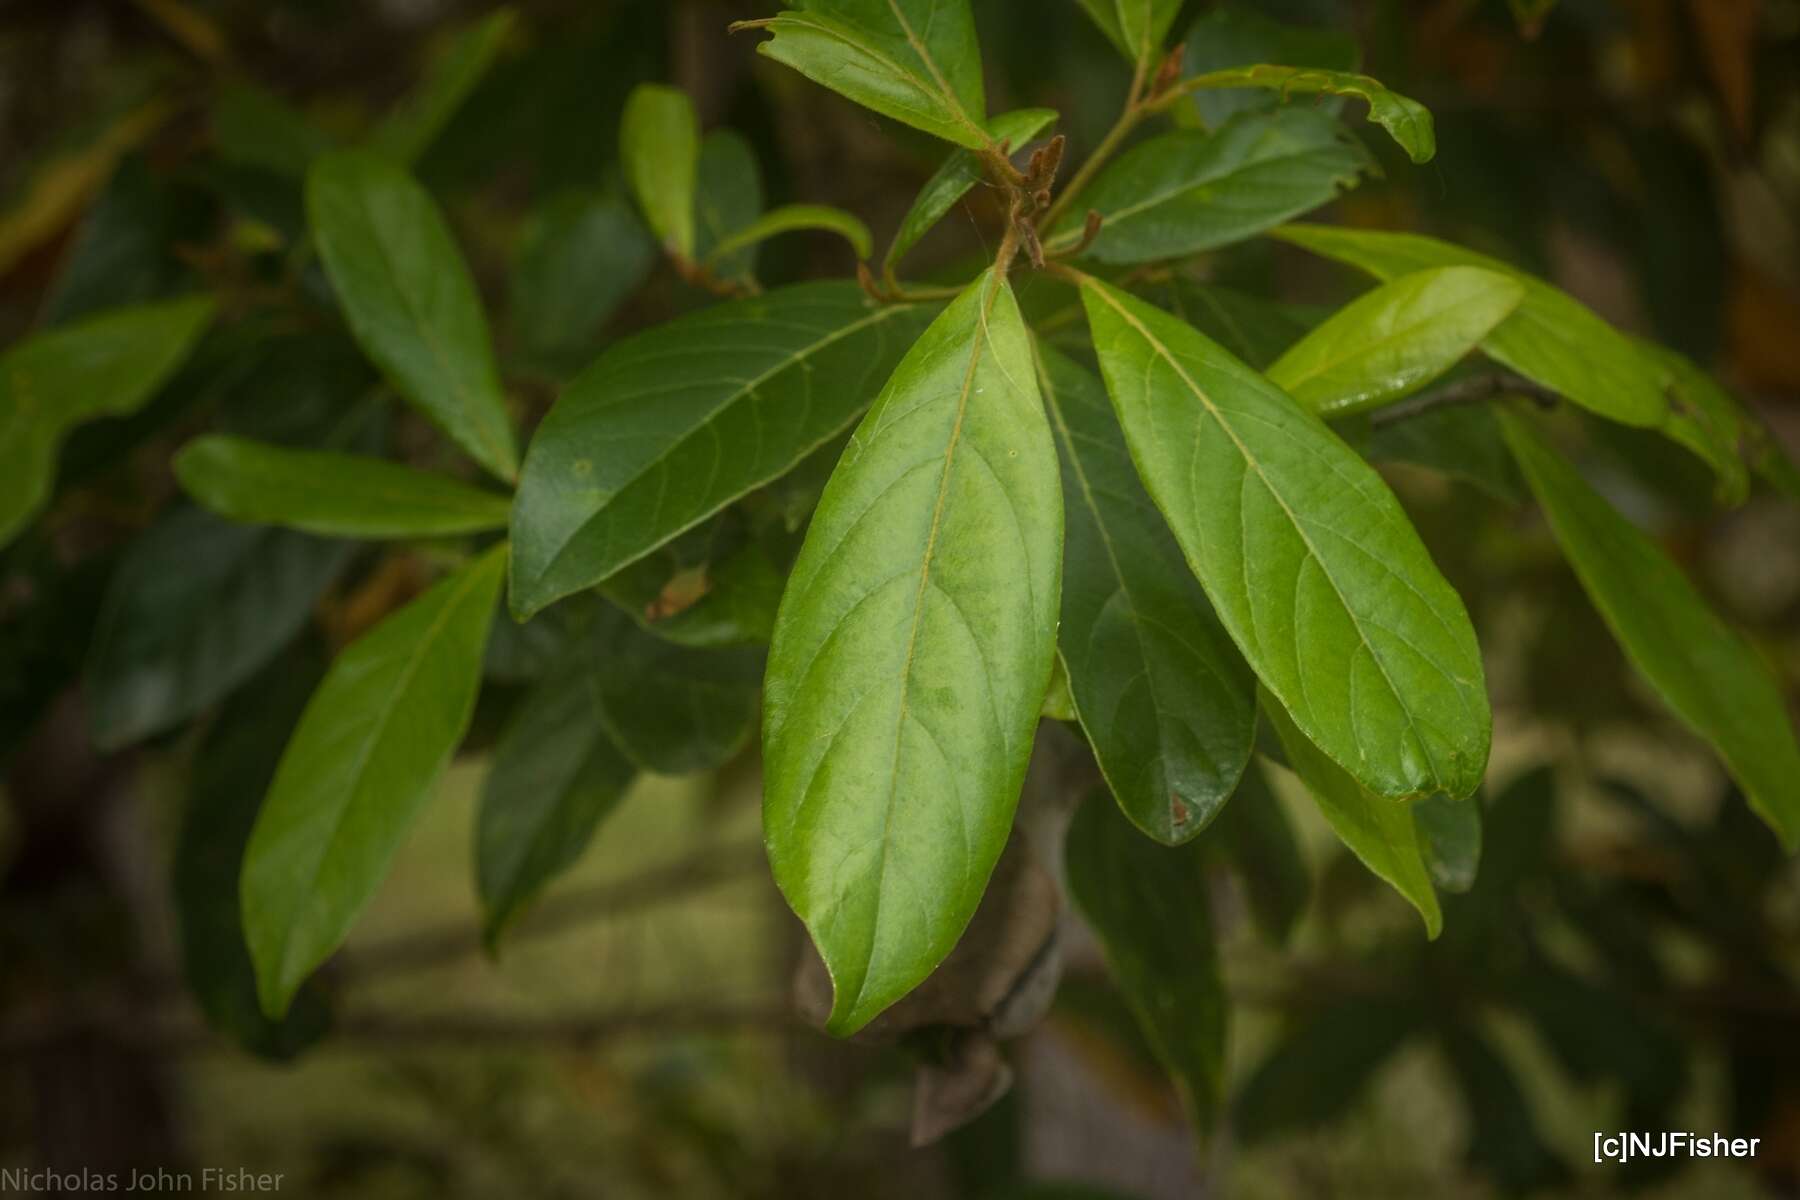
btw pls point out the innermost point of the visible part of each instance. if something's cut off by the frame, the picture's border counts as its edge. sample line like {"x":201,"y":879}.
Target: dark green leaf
{"x":1136,"y":27}
{"x":1238,"y":35}
{"x":1451,"y":833}
{"x":911,"y":656}
{"x":1253,"y":833}
{"x":415,"y":122}
{"x":1462,"y":441}
{"x":792,"y":217}
{"x":1503,"y":1137}
{"x":916,"y":61}
{"x":1406,"y":120}
{"x":1255,"y":329}
{"x":725,"y":600}
{"x":256,"y":129}
{"x":580,"y":256}
{"x":961,"y":171}
{"x":409,"y":299}
{"x":728,"y":195}
{"x":1167,"y":703}
{"x":659,"y":142}
{"x":1321,"y":1065}
{"x":1149,"y":906}
{"x":196,"y":607}
{"x":336,"y":495}
{"x":1706,"y":419}
{"x":107,"y":365}
{"x":1187,"y":191}
{"x":1704,"y":670}
{"x":124,"y":251}
{"x":1307,"y":557}
{"x":373,"y":741}
{"x":668,"y":427}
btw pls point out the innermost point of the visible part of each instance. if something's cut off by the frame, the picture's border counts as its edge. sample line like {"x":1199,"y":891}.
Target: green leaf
{"x":1319,"y":1066}
{"x":1377,"y":830}
{"x":1179,"y":193}
{"x":231,"y":772}
{"x":373,"y":741}
{"x":1167,"y":703}
{"x":414,"y":123}
{"x":335,"y":495}
{"x":1237,"y":35}
{"x":1307,"y":557}
{"x":1406,"y":120}
{"x":911,"y":655}
{"x":1256,"y":329}
{"x":556,"y":776}
{"x":1253,"y":833}
{"x":1704,"y":670}
{"x":669,"y":426}
{"x":916,"y":61}
{"x":1451,"y":833}
{"x":1462,"y":441}
{"x":1706,"y":419}
{"x":103,"y":366}
{"x":1503,"y":1137}
{"x":659,"y":143}
{"x":196,"y":607}
{"x":124,"y":251}
{"x":409,"y":299}
{"x":1390,"y":342}
{"x":725,"y":597}
{"x":1136,"y":27}
{"x":792,"y":217}
{"x":728,"y":195}
{"x":961,"y":171}
{"x":580,"y":256}
{"x":1149,"y":906}
{"x":257,"y":129}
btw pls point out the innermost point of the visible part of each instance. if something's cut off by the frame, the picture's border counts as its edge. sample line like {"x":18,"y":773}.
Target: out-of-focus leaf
{"x":1706,"y":419}
{"x":107,"y":365}
{"x":580,"y":256}
{"x":1321,"y":1065}
{"x":123,"y":252}
{"x":1149,"y":906}
{"x":669,"y":426}
{"x":230,"y":775}
{"x":916,"y":61}
{"x":1308,"y":559}
{"x":728,"y":195}
{"x":1239,"y":35}
{"x":373,"y":741}
{"x":1599,"y":1034}
{"x":1165,"y":698}
{"x":335,"y":495}
{"x":1462,"y":441}
{"x":415,"y":122}
{"x":256,"y":129}
{"x":1405,"y":119}
{"x":409,"y":299}
{"x":1252,"y":832}
{"x":197,"y":606}
{"x":911,"y":656}
{"x":1390,"y":342}
{"x":792,"y":217}
{"x":1516,"y":834}
{"x":1451,"y":833}
{"x":961,"y":171}
{"x":1182,"y":192}
{"x":726,"y":599}
{"x":556,"y":776}
{"x":1255,"y":329}
{"x":1379,"y":831}
{"x":1503,"y":1137}
{"x":659,"y":143}
{"x":1136,"y":27}
{"x":1705,"y":671}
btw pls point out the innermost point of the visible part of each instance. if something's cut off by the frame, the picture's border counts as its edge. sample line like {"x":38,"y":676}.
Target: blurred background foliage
{"x":1626,"y":959}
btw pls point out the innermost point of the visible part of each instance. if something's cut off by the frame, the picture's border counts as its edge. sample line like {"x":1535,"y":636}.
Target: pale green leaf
{"x":370,"y":747}
{"x":659,"y":143}
{"x":1307,"y":557}
{"x":1406,"y":120}
{"x":1136,"y":27}
{"x":791,"y":217}
{"x":324,"y":492}
{"x":669,"y":426}
{"x":961,"y":171}
{"x":1702,"y":668}
{"x":408,"y":130}
{"x":911,"y":656}
{"x":1168,"y":704}
{"x":409,"y":299}
{"x":1390,"y":342}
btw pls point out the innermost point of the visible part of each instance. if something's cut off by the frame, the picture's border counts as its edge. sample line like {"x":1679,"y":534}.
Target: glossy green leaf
{"x":408,"y":130}
{"x":1149,"y":906}
{"x":961,"y":171}
{"x":911,"y":655}
{"x":1379,"y":831}
{"x":659,"y":143}
{"x":1256,"y":329}
{"x":1239,"y":35}
{"x":231,"y":773}
{"x":195,"y":608}
{"x":728,"y":195}
{"x":1168,"y":705}
{"x":669,"y":426}
{"x":409,"y":299}
{"x":1390,"y":342}
{"x":1451,"y":833}
{"x":916,"y":61}
{"x":792,"y":217}
{"x":104,"y":366}
{"x":1307,"y":557}
{"x":1187,"y":191}
{"x":1253,"y":833}
{"x":580,"y":256}
{"x":1703,"y":669}
{"x":1136,"y":27}
{"x":336,"y":495}
{"x":1320,"y":1066}
{"x":1406,"y":120}
{"x":371,"y":745}
{"x":556,"y":776}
